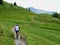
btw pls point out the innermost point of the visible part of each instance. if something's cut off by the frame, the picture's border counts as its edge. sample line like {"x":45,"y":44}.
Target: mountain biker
{"x":16,"y":29}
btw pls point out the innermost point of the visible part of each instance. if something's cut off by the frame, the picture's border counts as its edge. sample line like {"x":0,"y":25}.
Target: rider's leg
{"x":17,"y":34}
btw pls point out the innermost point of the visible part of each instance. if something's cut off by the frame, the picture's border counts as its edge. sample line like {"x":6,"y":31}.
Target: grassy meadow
{"x":42,"y":29}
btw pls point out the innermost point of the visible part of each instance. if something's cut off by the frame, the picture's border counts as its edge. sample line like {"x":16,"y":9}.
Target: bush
{"x":55,"y":14}
{"x":11,"y":5}
{"x":1,"y":2}
{"x":1,"y":32}
{"x":15,"y":4}
{"x":28,"y":9}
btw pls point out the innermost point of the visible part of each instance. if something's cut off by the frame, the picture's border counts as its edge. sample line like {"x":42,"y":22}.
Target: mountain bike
{"x":17,"y":35}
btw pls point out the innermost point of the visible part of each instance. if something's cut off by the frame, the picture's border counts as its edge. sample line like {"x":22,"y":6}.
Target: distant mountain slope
{"x":38,"y":11}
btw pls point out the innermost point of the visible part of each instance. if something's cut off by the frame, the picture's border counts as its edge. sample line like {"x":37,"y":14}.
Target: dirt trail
{"x":19,"y":41}
{"x":32,"y":18}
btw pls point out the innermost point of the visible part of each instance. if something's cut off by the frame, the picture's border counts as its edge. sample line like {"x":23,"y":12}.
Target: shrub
{"x":15,"y":4}
{"x":1,"y":32}
{"x":55,"y":14}
{"x":1,"y":2}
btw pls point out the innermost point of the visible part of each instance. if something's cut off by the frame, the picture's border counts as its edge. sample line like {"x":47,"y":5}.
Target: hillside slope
{"x":39,"y":29}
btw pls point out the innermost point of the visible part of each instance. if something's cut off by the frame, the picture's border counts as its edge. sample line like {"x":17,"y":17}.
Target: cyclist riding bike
{"x":16,"y":28}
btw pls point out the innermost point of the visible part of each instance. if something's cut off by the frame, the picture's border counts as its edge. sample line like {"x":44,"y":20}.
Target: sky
{"x":47,"y":5}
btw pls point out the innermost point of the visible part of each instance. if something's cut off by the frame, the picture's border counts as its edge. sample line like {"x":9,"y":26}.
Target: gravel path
{"x":19,"y":41}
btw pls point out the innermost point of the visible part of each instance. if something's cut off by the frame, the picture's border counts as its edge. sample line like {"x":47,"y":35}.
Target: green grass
{"x":43,"y":29}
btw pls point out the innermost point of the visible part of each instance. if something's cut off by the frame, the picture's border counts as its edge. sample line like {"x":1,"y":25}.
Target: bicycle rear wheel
{"x":17,"y":35}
